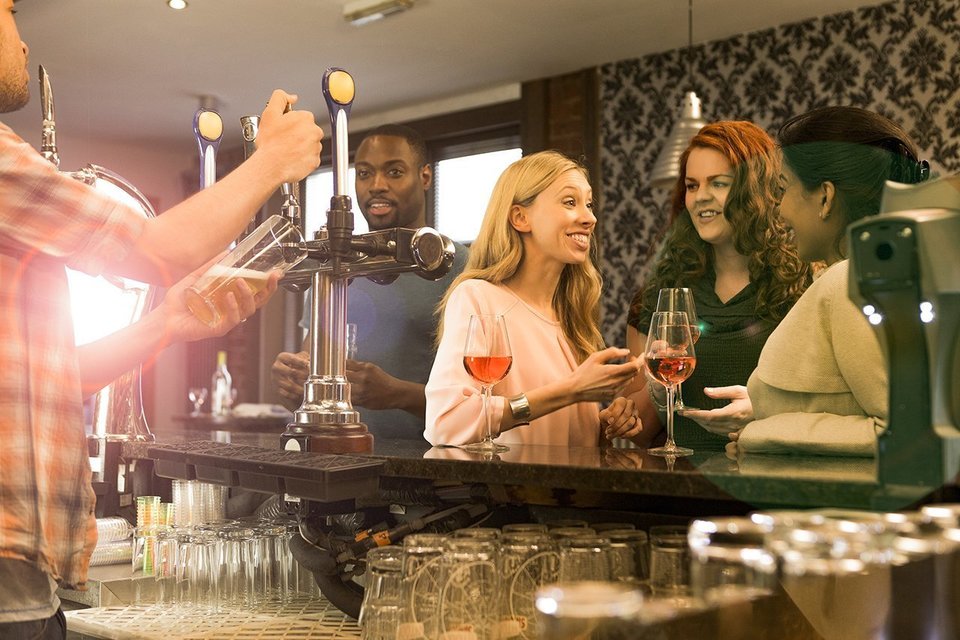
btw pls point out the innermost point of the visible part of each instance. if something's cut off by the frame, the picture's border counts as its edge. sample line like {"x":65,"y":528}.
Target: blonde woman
{"x":531,"y":263}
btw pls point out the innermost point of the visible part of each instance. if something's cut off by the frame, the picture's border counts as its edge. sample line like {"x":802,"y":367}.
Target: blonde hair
{"x":497,"y":252}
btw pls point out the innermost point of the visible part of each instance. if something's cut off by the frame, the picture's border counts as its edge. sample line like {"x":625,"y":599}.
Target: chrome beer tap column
{"x":327,"y":421}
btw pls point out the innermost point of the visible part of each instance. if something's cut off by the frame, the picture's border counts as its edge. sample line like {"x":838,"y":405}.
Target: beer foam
{"x":222,"y":271}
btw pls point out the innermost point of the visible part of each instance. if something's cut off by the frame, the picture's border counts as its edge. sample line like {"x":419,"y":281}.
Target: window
{"x":319,"y":190}
{"x":463,"y":186}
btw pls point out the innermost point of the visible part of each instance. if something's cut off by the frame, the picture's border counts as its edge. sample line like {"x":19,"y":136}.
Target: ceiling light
{"x":666,"y":170}
{"x":177,"y":4}
{"x":361,"y":12}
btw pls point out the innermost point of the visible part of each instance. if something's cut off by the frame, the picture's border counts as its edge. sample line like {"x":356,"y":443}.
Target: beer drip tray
{"x":312,"y":476}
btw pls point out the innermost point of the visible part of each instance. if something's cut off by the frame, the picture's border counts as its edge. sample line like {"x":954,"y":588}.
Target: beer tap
{"x":48,"y":136}
{"x":250,"y":128}
{"x":326,"y":421}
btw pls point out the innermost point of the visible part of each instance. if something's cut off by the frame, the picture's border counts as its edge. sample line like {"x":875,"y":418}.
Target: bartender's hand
{"x":620,"y":419}
{"x":597,"y":380}
{"x":180,"y":325}
{"x":289,"y":373}
{"x":725,"y":420}
{"x":289,"y":142}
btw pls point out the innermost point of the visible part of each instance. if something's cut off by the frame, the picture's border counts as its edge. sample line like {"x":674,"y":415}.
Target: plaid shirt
{"x":47,"y":221}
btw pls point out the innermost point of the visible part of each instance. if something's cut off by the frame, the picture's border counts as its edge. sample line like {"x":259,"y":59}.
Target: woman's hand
{"x":620,"y":419}
{"x":725,"y":420}
{"x":596,"y":380}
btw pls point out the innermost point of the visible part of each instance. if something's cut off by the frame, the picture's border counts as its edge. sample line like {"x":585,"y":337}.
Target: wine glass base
{"x":670,"y":451}
{"x":485,"y":446}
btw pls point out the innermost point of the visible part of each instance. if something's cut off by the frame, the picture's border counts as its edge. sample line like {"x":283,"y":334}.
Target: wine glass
{"x":487,"y":358}
{"x":197,"y":395}
{"x":680,"y":299}
{"x":670,"y":359}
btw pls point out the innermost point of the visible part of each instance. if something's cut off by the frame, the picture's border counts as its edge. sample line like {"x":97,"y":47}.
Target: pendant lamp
{"x":666,"y":170}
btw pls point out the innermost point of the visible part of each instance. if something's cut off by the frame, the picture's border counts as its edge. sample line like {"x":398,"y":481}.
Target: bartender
{"x":49,"y":221}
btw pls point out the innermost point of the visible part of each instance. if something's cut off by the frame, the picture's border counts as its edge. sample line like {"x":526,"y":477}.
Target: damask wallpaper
{"x":901,"y":59}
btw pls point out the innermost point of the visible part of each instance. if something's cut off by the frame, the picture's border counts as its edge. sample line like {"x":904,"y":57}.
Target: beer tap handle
{"x":208,"y":127}
{"x":250,"y":128}
{"x":48,"y":142}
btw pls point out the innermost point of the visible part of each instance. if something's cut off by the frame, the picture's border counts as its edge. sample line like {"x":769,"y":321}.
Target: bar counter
{"x":628,"y":479}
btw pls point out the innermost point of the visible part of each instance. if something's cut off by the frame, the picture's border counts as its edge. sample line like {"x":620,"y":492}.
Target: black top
{"x":732,"y":336}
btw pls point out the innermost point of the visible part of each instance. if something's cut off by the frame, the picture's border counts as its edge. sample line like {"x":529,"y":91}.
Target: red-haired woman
{"x":728,"y":246}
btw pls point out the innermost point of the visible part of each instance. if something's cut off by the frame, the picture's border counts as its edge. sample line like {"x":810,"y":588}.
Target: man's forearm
{"x":410,"y":397}
{"x":105,"y":360}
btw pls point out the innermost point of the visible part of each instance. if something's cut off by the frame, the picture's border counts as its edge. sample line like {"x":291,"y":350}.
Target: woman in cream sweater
{"x":820,"y":385}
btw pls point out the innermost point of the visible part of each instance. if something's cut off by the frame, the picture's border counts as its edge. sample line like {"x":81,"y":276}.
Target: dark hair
{"x":854,"y":149}
{"x":412,"y":136}
{"x":778,"y":274}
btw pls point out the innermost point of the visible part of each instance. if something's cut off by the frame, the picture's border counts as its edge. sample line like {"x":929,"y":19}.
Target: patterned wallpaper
{"x":900,"y":58}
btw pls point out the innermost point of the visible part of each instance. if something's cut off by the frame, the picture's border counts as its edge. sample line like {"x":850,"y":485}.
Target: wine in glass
{"x":680,"y":299}
{"x":487,"y":358}
{"x":197,"y":395}
{"x":670,"y":359}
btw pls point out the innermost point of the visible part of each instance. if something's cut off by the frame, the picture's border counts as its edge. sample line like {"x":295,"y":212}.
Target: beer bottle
{"x":221,"y":387}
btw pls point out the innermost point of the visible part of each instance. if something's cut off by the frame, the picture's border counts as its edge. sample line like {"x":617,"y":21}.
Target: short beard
{"x":14,"y":98}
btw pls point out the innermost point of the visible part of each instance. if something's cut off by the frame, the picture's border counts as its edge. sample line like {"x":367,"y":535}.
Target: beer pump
{"x":906,"y":276}
{"x":326,"y":421}
{"x":117,"y":408}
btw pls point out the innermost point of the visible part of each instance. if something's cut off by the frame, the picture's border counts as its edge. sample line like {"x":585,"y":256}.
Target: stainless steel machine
{"x":905,"y":274}
{"x":326,"y":421}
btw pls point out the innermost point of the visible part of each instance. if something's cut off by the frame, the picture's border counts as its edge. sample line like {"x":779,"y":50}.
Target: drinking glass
{"x":197,"y":395}
{"x":680,"y":300}
{"x":487,"y":358}
{"x":276,"y":245}
{"x":588,"y":609}
{"x":670,"y":359}
{"x":669,"y":560}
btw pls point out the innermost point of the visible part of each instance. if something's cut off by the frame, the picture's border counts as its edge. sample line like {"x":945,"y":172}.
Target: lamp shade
{"x":666,"y":170}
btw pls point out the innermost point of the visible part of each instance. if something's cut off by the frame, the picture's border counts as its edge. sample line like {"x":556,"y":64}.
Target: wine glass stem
{"x":670,"y":397}
{"x":488,"y":431}
{"x":679,"y":404}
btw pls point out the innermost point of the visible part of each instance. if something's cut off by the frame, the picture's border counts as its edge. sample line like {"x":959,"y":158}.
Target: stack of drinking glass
{"x":798,"y":574}
{"x":479,"y":583}
{"x":187,"y":554}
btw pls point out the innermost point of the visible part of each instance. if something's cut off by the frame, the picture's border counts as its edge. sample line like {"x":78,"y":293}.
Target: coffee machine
{"x":905,"y":274}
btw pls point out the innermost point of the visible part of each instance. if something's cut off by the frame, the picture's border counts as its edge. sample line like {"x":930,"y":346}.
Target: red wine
{"x":488,"y":369}
{"x":671,"y":370}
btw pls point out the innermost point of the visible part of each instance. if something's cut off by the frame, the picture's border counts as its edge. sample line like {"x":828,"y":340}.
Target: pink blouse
{"x":541,"y":355}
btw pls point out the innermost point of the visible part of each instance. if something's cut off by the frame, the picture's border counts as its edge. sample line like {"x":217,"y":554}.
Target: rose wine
{"x":694,"y":333}
{"x":488,"y":369}
{"x":671,"y":370}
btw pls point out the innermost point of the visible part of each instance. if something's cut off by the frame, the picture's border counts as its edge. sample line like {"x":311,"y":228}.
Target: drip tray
{"x":311,"y":476}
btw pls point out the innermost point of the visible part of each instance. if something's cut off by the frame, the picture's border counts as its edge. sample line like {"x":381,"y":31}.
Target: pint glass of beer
{"x":276,"y":245}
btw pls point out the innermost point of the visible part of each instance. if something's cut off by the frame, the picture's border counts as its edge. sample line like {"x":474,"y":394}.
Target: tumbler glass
{"x":276,"y":245}
{"x":380,"y":611}
{"x":730,"y":563}
{"x":584,"y":558}
{"x":628,"y":553}
{"x":529,"y":560}
{"x":669,"y":560}
{"x":470,"y":579}
{"x":576,"y":610}
{"x":422,"y":575}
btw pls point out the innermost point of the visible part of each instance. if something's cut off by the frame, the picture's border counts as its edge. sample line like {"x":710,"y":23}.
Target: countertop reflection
{"x":757,"y":481}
